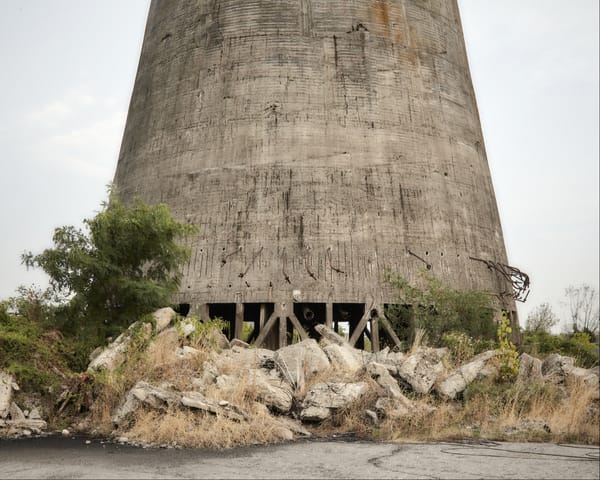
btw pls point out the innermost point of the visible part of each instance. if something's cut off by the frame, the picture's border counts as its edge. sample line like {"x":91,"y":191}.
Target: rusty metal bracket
{"x":427,"y":264}
{"x":518,"y":279}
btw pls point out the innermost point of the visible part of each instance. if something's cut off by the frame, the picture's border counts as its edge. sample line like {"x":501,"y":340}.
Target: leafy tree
{"x":541,"y":319}
{"x":124,"y":264}
{"x":584,"y":309}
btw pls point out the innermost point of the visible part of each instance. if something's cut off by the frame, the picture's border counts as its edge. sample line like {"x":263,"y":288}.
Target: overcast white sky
{"x":67,"y":70}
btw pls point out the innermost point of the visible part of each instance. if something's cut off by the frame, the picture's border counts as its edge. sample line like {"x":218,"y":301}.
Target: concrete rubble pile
{"x":307,"y":382}
{"x":310,"y":381}
{"x":13,"y":420}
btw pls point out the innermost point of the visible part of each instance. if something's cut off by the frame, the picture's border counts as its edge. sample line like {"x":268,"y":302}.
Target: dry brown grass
{"x":351,"y":419}
{"x":419,"y":341}
{"x":111,"y":388}
{"x":194,"y":428}
{"x":198,"y":429}
{"x":577,"y":419}
{"x":523,"y":412}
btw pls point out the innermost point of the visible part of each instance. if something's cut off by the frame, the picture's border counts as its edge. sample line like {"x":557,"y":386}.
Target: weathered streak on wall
{"x":316,"y":143}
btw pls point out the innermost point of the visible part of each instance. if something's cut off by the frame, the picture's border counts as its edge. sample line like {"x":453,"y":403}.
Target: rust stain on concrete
{"x":380,"y":15}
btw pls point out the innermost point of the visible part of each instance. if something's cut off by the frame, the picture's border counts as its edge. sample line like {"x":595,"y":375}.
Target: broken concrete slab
{"x":271,"y":390}
{"x":530,"y":368}
{"x":147,"y":394}
{"x":16,"y":414}
{"x":124,"y":411}
{"x":584,"y":376}
{"x":198,"y":401}
{"x":389,"y":384}
{"x":114,"y":355}
{"x":295,"y":426}
{"x":248,"y":358}
{"x":457,"y":381}
{"x":34,"y":414}
{"x":208,"y":377}
{"x":300,"y":359}
{"x":343,"y":358}
{"x":315,"y":414}
{"x":329,"y":337}
{"x":421,"y":369}
{"x":322,"y":398}
{"x":392,"y":408}
{"x":163,"y":318}
{"x":555,"y":367}
{"x":154,"y":397}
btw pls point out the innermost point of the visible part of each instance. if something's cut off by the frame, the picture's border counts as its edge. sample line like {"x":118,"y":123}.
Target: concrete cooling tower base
{"x":318,"y":145}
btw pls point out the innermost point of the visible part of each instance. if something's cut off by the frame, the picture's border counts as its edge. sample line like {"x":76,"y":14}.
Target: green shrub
{"x":517,"y":397}
{"x":35,"y":356}
{"x":576,"y":345}
{"x":462,"y":347}
{"x":205,"y":334}
{"x":440,"y":310}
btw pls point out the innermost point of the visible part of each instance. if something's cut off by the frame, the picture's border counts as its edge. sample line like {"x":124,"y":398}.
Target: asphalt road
{"x":58,"y":457}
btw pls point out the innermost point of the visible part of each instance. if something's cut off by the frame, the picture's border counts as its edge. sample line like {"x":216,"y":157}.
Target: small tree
{"x":541,"y":319}
{"x":125,"y":264}
{"x":584,"y":310}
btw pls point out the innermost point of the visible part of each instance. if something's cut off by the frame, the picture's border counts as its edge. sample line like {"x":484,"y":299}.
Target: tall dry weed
{"x":202,"y":430}
{"x":419,"y":341}
{"x":532,"y":411}
{"x":578,"y":418}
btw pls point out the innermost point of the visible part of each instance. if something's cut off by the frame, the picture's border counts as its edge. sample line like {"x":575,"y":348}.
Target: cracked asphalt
{"x":59,"y":457}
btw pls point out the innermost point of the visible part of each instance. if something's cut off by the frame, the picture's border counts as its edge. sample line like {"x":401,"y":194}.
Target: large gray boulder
{"x":300,"y":359}
{"x":20,"y":423}
{"x":342,"y":358}
{"x":341,"y":354}
{"x":323,"y":398}
{"x":421,"y":369}
{"x":555,"y":367}
{"x":241,"y":358}
{"x":329,"y":337}
{"x":584,"y":376}
{"x":114,"y":355}
{"x":147,"y":394}
{"x":530,"y":368}
{"x":163,"y":318}
{"x":271,"y":390}
{"x":457,"y":381}
{"x":389,"y":384}
{"x":198,"y":401}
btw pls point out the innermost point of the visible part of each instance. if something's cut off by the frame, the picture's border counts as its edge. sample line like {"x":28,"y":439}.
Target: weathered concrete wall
{"x":315,"y":143}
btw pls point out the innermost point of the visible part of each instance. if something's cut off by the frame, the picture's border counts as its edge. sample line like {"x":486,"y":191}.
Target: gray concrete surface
{"x":57,"y":457}
{"x":316,"y":143}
